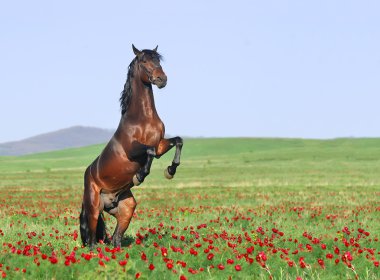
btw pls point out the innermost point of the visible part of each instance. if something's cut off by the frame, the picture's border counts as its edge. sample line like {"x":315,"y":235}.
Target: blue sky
{"x":306,"y":69}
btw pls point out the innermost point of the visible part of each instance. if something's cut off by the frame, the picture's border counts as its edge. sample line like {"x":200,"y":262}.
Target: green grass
{"x":233,"y":186}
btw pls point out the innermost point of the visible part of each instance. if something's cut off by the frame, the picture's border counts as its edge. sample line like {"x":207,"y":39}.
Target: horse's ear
{"x":135,"y":50}
{"x":155,"y":49}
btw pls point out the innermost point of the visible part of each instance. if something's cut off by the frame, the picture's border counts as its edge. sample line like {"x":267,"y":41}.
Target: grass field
{"x":237,"y":209}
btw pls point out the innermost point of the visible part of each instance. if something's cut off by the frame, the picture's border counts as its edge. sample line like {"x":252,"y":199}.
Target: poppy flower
{"x":238,"y":267}
{"x":210,"y":256}
{"x":169,"y":265}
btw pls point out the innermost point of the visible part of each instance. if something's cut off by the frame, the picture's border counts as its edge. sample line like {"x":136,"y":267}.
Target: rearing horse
{"x":128,"y":156}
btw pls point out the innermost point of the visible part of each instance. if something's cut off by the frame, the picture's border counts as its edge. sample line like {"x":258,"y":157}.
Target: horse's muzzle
{"x":160,"y":82}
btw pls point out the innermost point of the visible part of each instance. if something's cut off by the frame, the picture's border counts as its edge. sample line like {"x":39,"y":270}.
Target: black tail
{"x":101,"y":233}
{"x":84,"y":230}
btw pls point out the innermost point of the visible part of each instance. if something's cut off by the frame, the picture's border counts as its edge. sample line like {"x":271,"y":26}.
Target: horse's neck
{"x":142,"y":100}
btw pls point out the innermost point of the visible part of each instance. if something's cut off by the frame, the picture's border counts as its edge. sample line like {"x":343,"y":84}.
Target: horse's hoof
{"x":136,"y":181}
{"x":107,"y":241}
{"x":167,"y":174}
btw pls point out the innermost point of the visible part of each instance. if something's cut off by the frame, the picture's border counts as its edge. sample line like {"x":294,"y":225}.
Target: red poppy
{"x":143,"y":256}
{"x":210,"y":256}
{"x":169,"y":265}
{"x":238,"y":267}
{"x":321,"y":263}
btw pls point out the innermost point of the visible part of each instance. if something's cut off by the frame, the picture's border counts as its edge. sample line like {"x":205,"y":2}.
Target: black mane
{"x":126,"y":94}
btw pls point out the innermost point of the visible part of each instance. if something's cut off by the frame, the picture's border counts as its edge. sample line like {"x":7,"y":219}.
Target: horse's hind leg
{"x":90,"y":211}
{"x":123,"y":213}
{"x":164,"y":146}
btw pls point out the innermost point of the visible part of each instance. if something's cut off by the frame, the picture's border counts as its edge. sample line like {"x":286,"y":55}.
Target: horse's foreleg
{"x":164,"y":146}
{"x":144,"y":171}
{"x":148,"y":152}
{"x":123,"y":214}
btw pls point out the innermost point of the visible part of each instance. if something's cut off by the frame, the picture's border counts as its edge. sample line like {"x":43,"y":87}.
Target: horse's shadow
{"x":127,"y":240}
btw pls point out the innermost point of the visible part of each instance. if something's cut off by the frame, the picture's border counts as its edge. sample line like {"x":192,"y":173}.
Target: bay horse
{"x":127,"y":158}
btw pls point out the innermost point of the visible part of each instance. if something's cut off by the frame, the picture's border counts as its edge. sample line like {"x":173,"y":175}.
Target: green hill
{"x":223,"y":162}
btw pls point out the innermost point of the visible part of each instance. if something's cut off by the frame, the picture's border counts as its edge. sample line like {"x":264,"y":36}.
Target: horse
{"x":127,"y":158}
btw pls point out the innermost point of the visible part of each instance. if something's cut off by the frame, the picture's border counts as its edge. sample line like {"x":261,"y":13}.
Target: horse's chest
{"x":153,"y":133}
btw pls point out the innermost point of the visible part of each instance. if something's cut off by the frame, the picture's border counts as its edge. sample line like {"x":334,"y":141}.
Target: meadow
{"x":237,"y":209}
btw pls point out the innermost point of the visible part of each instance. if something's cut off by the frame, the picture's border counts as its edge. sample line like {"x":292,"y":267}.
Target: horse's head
{"x":150,"y":67}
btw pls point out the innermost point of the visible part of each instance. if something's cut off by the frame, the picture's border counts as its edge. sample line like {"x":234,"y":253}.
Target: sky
{"x":308,"y":69}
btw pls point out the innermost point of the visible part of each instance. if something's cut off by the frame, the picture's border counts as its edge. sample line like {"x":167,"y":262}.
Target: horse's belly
{"x":114,"y":169}
{"x":117,"y":176}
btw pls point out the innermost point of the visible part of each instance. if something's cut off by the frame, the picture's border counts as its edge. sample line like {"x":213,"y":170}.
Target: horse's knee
{"x":131,"y":203}
{"x":124,"y":213}
{"x":128,"y":207}
{"x":126,"y":202}
{"x":179,"y":141}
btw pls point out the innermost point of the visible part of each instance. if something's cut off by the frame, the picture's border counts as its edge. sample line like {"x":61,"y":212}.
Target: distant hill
{"x":77,"y":136}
